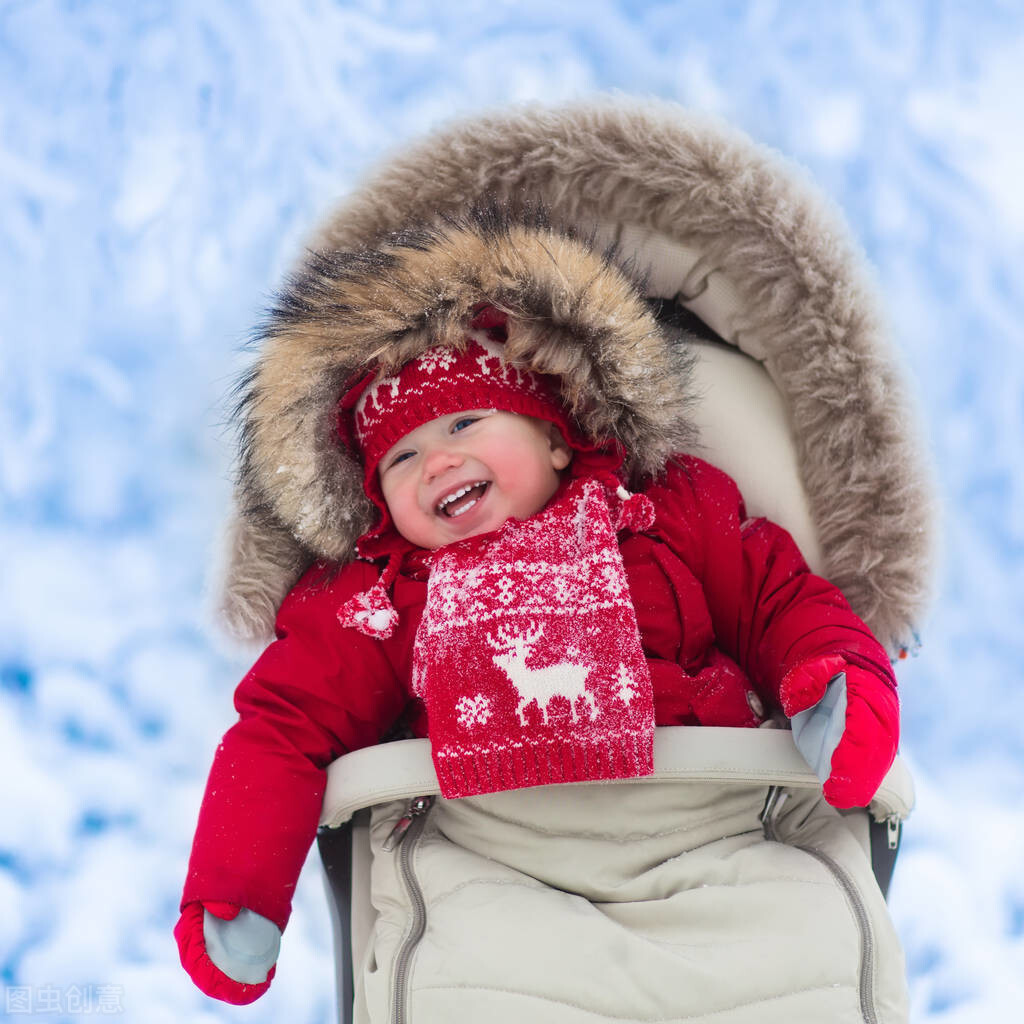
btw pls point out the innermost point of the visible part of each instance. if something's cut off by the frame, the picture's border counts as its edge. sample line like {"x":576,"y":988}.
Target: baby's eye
{"x":401,"y":457}
{"x":463,"y":422}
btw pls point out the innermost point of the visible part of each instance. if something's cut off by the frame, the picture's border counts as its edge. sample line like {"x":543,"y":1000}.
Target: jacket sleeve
{"x":769,"y":611}
{"x":316,"y":692}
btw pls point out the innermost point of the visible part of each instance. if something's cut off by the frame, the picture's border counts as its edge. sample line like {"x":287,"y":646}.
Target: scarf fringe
{"x":471,"y":771}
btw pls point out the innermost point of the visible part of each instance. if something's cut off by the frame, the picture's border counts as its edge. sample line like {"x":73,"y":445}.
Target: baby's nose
{"x":439,"y":460}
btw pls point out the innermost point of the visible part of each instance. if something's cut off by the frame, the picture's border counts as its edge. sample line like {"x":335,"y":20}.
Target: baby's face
{"x":468,"y":472}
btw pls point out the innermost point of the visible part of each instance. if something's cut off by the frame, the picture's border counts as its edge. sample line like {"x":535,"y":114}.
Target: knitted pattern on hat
{"x":528,"y":656}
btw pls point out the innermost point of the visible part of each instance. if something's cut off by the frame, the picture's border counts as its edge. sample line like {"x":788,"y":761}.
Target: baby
{"x":533,"y":618}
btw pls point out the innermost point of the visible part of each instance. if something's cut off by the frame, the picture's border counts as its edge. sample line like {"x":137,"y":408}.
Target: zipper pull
{"x":893,"y":831}
{"x":776,"y":797}
{"x":418,"y":806}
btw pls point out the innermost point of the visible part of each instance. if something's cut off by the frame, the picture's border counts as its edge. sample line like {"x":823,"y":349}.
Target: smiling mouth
{"x":461,"y":501}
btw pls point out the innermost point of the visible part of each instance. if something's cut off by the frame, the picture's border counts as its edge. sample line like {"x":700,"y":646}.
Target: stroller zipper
{"x":419,"y":806}
{"x":772,"y":806}
{"x":867,"y":944}
{"x":892,"y":831}
{"x":405,"y":836}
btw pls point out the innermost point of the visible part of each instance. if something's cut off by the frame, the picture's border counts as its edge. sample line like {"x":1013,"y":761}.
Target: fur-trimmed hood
{"x":402,"y":263}
{"x":572,"y":313}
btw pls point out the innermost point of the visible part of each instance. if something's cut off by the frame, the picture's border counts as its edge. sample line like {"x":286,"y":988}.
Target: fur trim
{"x":572,"y":313}
{"x":260,"y":563}
{"x":807,"y":307}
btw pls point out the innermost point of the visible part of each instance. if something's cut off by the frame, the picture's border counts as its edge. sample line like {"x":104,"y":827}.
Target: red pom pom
{"x":371,"y":612}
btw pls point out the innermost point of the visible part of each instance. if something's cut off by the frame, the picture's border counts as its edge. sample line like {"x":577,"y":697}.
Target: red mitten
{"x":868,"y":744}
{"x":846,"y":724}
{"x":194,"y":958}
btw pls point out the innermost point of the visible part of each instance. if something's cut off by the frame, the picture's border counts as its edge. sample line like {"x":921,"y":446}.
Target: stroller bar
{"x":401,"y":769}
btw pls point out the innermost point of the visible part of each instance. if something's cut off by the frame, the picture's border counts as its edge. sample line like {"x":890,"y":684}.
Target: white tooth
{"x":458,"y":494}
{"x":460,"y":511}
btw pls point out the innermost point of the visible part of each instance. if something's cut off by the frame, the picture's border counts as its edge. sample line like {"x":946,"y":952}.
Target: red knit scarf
{"x":528,"y":655}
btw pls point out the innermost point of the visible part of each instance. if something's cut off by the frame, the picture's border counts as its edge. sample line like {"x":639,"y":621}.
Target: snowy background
{"x":159,"y":164}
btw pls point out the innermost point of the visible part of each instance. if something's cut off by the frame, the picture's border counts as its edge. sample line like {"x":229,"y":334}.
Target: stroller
{"x":800,"y":402}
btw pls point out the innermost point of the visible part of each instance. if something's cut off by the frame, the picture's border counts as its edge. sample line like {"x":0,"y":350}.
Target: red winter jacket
{"x":725,"y":605}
